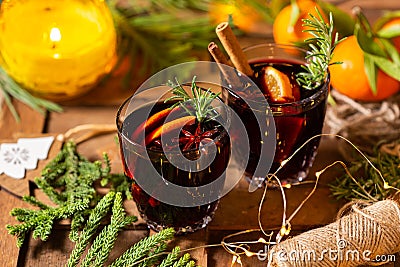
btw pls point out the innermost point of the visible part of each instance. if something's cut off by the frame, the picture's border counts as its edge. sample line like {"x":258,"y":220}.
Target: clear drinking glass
{"x":295,"y":122}
{"x":176,"y":177}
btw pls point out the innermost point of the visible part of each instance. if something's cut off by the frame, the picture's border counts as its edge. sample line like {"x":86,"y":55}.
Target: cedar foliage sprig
{"x":320,"y":54}
{"x":95,"y":218}
{"x":150,"y":251}
{"x":68,"y":181}
{"x":103,"y":244}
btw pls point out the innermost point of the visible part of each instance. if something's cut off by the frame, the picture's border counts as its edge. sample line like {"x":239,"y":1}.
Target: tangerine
{"x":244,"y":16}
{"x":284,"y":32}
{"x":350,"y":79}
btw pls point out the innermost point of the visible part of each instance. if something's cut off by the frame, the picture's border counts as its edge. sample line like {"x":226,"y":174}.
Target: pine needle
{"x":10,"y":89}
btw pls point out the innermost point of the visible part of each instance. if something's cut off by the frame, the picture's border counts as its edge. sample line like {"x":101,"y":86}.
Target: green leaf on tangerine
{"x":390,"y":68}
{"x":370,"y":71}
{"x":367,"y":43}
{"x":391,"y":50}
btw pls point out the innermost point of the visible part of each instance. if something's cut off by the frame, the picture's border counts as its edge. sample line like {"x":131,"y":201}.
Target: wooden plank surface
{"x":30,"y":122}
{"x":237,"y":210}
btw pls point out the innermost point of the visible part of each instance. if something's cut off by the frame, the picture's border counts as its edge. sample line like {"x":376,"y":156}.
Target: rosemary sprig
{"x":199,"y":99}
{"x":321,"y":51}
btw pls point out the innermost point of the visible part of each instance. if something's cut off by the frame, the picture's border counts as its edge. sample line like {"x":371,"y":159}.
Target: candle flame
{"x":55,"y":34}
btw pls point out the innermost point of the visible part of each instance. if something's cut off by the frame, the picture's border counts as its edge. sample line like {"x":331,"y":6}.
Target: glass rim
{"x":120,"y":123}
{"x":322,"y":89}
{"x":272,"y":44}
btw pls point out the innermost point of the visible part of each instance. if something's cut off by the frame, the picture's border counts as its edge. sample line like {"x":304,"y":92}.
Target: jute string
{"x":355,"y":239}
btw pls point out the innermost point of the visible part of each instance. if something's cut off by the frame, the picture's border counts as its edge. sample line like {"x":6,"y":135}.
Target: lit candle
{"x":57,"y":49}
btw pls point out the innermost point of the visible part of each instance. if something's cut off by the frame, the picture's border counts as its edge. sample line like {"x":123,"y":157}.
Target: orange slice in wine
{"x":277,"y":85}
{"x":152,"y":122}
{"x":169,"y":127}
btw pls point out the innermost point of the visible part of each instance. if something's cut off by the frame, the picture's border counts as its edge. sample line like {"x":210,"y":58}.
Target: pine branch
{"x":368,"y":183}
{"x":161,"y":33}
{"x":80,"y":202}
{"x":33,"y":201}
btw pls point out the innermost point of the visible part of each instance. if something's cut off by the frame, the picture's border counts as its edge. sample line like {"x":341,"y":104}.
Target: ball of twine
{"x":355,"y":239}
{"x":365,"y":124}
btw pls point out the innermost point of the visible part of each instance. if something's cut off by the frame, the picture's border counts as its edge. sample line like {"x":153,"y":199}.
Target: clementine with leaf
{"x":288,"y":24}
{"x":350,"y":79}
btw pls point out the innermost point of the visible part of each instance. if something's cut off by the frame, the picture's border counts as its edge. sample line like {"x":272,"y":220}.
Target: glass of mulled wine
{"x":298,"y":114}
{"x":176,"y":164}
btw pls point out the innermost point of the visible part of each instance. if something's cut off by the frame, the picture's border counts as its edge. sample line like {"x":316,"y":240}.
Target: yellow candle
{"x":58,"y":49}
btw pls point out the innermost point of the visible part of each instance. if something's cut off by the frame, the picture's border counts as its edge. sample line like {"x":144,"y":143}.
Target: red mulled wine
{"x":192,"y":141}
{"x":296,"y":120}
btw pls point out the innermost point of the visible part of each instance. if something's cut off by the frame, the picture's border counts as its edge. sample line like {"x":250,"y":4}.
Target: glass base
{"x":180,"y":230}
{"x":286,"y":180}
{"x":259,"y":182}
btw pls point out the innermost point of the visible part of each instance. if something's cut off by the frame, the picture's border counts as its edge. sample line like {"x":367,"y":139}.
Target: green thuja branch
{"x":104,"y":242}
{"x":171,"y":258}
{"x":97,"y":214}
{"x":68,"y":181}
{"x":141,"y":250}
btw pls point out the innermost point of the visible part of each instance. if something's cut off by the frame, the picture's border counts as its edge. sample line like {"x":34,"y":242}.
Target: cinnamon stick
{"x":230,"y":76}
{"x":232,"y":47}
{"x":217,"y":54}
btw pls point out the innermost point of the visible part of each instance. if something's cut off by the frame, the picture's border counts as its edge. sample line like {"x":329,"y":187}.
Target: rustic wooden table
{"x":237,"y":210}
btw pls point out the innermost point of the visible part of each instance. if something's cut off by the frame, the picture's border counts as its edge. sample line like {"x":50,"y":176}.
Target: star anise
{"x":192,"y":141}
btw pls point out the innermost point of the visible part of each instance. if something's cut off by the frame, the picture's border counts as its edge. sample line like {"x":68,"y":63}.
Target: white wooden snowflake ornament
{"x":16,"y":158}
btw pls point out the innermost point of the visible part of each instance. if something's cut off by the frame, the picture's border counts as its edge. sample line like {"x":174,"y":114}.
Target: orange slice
{"x":152,"y":122}
{"x":277,"y":85}
{"x":168,"y":127}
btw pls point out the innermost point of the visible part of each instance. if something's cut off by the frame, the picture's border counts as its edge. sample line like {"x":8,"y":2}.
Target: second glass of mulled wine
{"x":298,"y":112}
